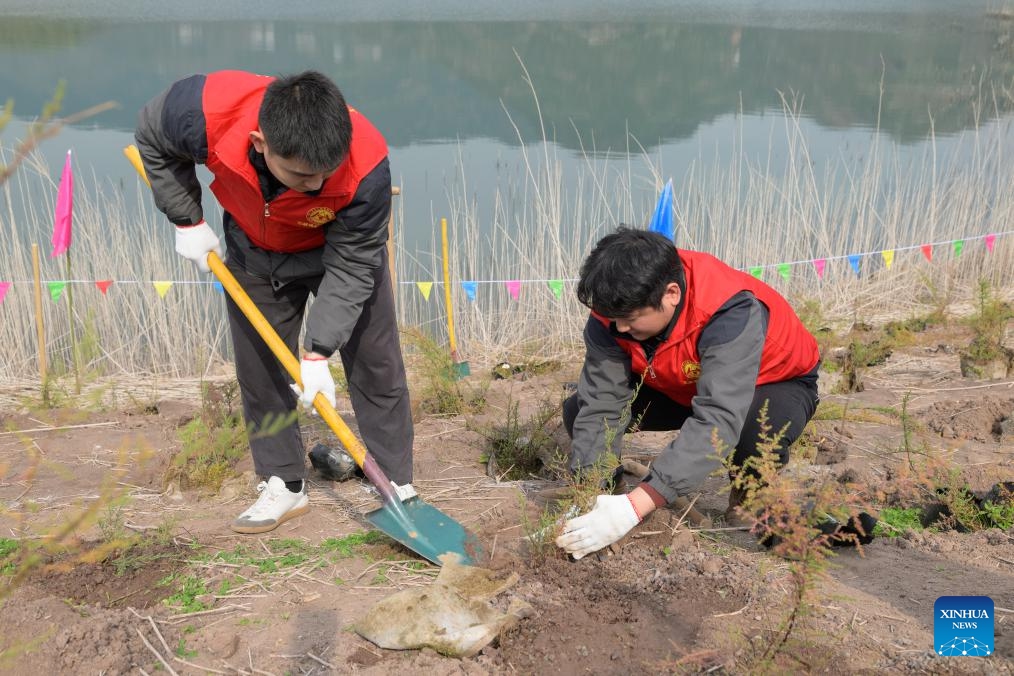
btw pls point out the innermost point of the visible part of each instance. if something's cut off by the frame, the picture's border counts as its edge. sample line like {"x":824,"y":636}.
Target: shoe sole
{"x":291,"y":514}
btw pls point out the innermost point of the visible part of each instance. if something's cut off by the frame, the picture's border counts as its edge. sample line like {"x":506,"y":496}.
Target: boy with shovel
{"x":305,"y":185}
{"x":688,"y":343}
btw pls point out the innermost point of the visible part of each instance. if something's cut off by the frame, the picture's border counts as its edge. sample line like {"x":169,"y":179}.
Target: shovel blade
{"x":427,"y":531}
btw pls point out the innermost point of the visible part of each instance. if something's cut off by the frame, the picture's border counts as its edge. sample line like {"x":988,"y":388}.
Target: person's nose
{"x":315,"y":182}
{"x":622,"y":326}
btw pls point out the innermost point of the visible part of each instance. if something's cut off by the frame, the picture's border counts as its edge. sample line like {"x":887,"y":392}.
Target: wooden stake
{"x":40,"y":330}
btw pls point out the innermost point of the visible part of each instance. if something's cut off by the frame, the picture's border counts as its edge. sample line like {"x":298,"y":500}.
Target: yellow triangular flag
{"x":425,"y":288}
{"x":888,"y":257}
{"x":162,"y":288}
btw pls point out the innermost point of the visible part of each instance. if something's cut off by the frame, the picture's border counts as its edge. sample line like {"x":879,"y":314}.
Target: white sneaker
{"x":276,"y":505}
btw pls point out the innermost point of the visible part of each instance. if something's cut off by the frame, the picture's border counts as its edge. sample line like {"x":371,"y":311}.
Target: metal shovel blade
{"x":426,"y":530}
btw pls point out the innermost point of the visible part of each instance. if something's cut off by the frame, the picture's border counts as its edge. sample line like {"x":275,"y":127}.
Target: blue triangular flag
{"x":661,"y":221}
{"x":469,"y":288}
{"x":218,"y":287}
{"x":854,"y":262}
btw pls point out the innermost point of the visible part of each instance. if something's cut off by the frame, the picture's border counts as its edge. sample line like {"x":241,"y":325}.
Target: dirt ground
{"x":669,"y":599}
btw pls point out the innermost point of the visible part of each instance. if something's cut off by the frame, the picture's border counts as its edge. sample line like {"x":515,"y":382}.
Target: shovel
{"x":419,"y":526}
{"x":459,"y":369}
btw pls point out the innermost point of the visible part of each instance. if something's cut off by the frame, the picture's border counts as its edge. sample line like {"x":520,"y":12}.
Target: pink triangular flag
{"x":162,"y":288}
{"x":819,"y":266}
{"x":64,"y":210}
{"x":513,"y":288}
{"x":4,"y":286}
{"x":927,"y":251}
{"x":104,"y":285}
{"x":990,"y":241}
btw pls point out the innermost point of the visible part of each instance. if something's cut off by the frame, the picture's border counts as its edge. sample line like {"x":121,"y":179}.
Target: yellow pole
{"x":40,"y":329}
{"x":447,"y":291}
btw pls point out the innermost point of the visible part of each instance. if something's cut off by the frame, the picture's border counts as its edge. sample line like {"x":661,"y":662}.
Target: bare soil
{"x":667,"y":599}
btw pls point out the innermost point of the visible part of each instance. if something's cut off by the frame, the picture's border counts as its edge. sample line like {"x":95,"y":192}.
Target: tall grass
{"x":542,"y":223}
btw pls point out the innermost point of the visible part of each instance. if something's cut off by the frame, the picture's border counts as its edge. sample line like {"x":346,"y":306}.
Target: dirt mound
{"x":977,"y":419}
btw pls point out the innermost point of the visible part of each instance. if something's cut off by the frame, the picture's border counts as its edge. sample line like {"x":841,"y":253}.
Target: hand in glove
{"x":195,"y":242}
{"x":612,"y":518}
{"x":316,"y":377}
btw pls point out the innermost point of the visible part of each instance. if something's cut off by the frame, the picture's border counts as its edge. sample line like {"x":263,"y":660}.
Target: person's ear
{"x":673,"y":295}
{"x":257,"y":139}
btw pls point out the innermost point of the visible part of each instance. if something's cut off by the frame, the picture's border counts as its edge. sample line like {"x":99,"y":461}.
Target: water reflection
{"x":424,"y":81}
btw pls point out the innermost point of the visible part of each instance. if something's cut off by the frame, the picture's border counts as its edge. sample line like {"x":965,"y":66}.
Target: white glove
{"x":404,"y":492}
{"x":316,"y":377}
{"x":612,"y":518}
{"x":195,"y":242}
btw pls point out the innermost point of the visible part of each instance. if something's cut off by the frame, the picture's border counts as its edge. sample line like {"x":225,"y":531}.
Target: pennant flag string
{"x":556,"y":285}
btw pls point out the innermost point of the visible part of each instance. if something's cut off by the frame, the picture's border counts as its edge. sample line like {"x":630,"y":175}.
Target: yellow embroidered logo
{"x":691,"y":370}
{"x":317,"y":217}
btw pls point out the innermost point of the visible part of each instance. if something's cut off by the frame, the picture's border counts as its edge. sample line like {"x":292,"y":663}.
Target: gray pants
{"x":374,"y":370}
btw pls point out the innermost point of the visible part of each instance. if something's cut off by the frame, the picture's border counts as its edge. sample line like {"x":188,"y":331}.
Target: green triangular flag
{"x":556,"y":286}
{"x":56,"y":289}
{"x":959,"y":245}
{"x":785,"y":270}
{"x":757,"y":271}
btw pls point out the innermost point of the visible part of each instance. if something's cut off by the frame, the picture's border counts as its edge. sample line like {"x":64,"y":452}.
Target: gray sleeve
{"x":172,"y":138}
{"x":353,"y":251}
{"x":603,"y":392}
{"x":730,"y":348}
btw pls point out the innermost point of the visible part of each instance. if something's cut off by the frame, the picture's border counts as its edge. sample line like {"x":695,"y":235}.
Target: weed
{"x":187,"y":597}
{"x":988,"y":326}
{"x":216,"y":439}
{"x":521,"y":449}
{"x":440,"y":392}
{"x":346,"y":546}
{"x":895,"y":521}
{"x":789,"y":524}
{"x":999,"y":514}
{"x":182,"y":650}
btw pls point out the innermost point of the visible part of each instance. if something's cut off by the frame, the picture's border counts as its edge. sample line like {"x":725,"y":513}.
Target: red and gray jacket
{"x":338,"y":232}
{"x":789,"y":349}
{"x":732,"y":333}
{"x":293,"y":220}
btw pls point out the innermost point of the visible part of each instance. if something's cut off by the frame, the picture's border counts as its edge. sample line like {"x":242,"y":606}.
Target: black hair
{"x":628,"y":270}
{"x":305,"y":117}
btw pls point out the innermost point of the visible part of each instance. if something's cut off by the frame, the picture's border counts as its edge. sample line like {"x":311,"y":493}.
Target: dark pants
{"x":373,"y":366}
{"x":790,"y":401}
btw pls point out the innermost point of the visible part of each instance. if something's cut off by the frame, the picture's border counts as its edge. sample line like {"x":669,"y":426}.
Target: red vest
{"x":789,"y":351}
{"x":292,"y":221}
